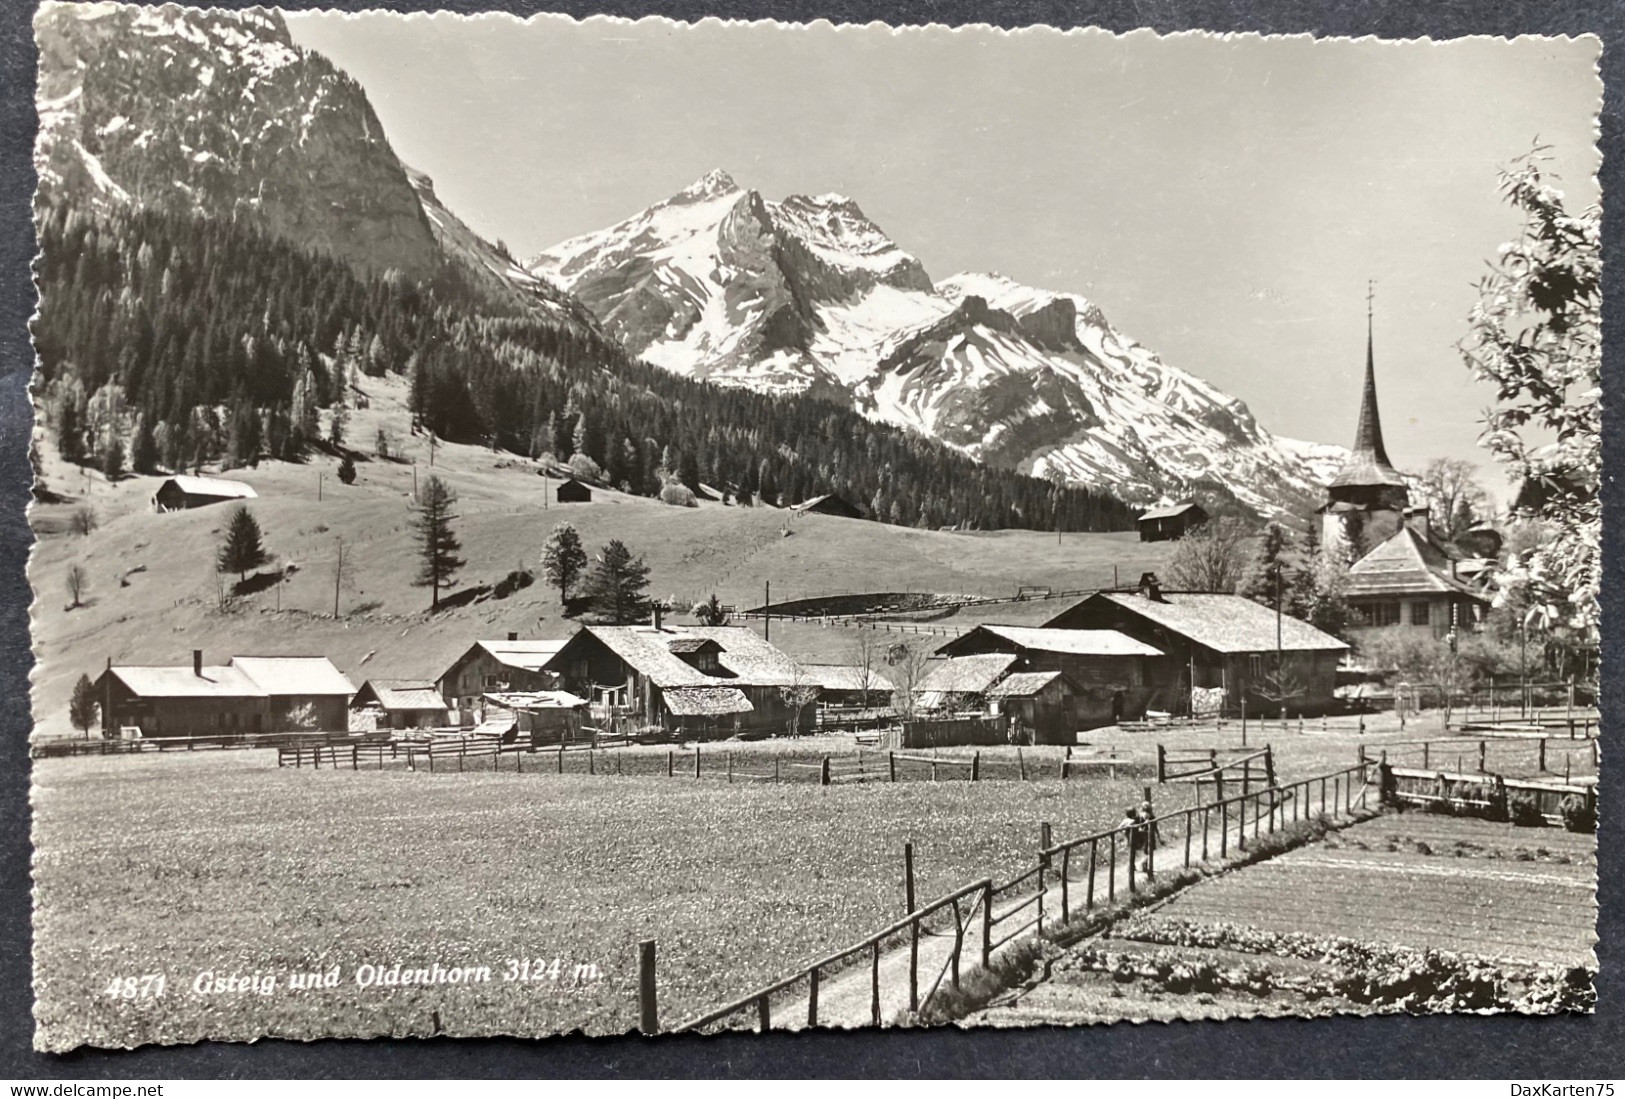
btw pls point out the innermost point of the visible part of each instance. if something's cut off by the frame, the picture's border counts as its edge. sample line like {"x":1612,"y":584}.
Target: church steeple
{"x":1368,"y":472}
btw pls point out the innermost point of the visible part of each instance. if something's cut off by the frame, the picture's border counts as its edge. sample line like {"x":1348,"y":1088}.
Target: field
{"x":221,"y":862}
{"x":154,"y":596}
{"x":1522,"y":894}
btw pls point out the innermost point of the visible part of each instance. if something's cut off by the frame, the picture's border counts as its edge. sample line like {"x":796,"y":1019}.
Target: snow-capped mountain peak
{"x":808,"y":293}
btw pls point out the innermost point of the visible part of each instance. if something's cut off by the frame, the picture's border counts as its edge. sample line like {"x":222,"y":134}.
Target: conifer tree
{"x":83,"y":708}
{"x":144,"y":454}
{"x":437,"y":542}
{"x":1268,"y":566}
{"x":563,"y":559}
{"x":242,"y":548}
{"x":615,"y":587}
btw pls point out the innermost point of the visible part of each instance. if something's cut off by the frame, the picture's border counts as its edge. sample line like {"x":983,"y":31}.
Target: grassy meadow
{"x":220,"y":862}
{"x":154,"y":595}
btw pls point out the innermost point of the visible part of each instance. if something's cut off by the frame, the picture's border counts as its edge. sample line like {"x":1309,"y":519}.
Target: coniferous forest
{"x":168,"y":342}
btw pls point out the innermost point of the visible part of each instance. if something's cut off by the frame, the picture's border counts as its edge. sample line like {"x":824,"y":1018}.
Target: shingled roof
{"x":529,"y":656}
{"x":1023,"y":684}
{"x":1406,"y":564}
{"x":963,"y":675}
{"x":1223,"y":623}
{"x":1169,"y":511}
{"x":1368,"y":462}
{"x":1071,"y":642}
{"x":747,"y":660}
{"x":706,"y":701}
{"x":399,"y":694}
{"x":845,"y":677}
{"x":243,"y":677}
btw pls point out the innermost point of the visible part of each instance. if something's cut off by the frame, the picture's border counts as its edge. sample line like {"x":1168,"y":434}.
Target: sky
{"x":1224,"y":200}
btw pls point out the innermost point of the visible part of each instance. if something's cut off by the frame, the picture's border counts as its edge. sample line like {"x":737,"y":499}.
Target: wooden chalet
{"x":1109,"y":674}
{"x":1164,"y":524}
{"x":247,"y":695}
{"x":698,"y":681}
{"x":829,"y":504}
{"x":1224,"y":646}
{"x":573,"y":491}
{"x":511,"y":665}
{"x":181,"y":492}
{"x":398,"y":704}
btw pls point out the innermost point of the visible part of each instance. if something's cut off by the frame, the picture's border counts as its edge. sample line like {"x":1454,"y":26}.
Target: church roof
{"x":1368,"y":462}
{"x":1406,"y":564}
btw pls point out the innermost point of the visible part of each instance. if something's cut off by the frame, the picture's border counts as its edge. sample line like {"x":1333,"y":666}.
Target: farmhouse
{"x":511,"y":665}
{"x":398,"y":704}
{"x":961,"y":682}
{"x":250,"y":694}
{"x":1410,"y":583}
{"x":1108,"y":672}
{"x":1170,"y":523}
{"x":703,"y":681}
{"x":829,"y":504}
{"x":181,"y":492}
{"x":1220,"y":647}
{"x":573,"y":492}
{"x":1039,"y":705}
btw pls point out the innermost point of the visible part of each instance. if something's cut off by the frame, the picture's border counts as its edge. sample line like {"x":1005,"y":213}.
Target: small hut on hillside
{"x":1166,"y":524}
{"x":829,"y":504}
{"x":181,"y":492}
{"x":1039,"y":706}
{"x":573,"y":492}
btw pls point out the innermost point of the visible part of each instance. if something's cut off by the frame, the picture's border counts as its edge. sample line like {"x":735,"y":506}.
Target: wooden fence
{"x":137,"y":745}
{"x":1480,"y":793}
{"x":976,"y":915}
{"x":1539,"y":755}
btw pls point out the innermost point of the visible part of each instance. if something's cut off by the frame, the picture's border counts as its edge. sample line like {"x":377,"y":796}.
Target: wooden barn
{"x":250,"y":694}
{"x":962,"y":682}
{"x":181,"y":492}
{"x":398,"y":704}
{"x":511,"y":665}
{"x":829,"y":504}
{"x":573,"y":491}
{"x":1169,"y":523}
{"x":1109,"y":674}
{"x":699,"y":681}
{"x":1220,"y":646}
{"x":1039,"y":705}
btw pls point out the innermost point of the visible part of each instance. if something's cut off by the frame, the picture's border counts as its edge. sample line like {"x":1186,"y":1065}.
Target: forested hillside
{"x":169,"y":341}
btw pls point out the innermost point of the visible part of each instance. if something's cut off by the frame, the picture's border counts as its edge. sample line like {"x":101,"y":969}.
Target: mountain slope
{"x":808,"y":294}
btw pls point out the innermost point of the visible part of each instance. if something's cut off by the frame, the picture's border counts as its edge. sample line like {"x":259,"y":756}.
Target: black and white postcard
{"x":550,"y":525}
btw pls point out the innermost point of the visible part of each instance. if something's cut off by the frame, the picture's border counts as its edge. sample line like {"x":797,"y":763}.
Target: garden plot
{"x":1524,"y":894}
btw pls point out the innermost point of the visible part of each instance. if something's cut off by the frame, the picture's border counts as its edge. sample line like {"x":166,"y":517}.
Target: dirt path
{"x":848,"y":998}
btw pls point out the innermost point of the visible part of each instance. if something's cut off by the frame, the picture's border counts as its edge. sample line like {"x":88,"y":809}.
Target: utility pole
{"x":414,"y":482}
{"x":432,"y":443}
{"x":318,"y":488}
{"x":767,"y":611}
{"x":338,"y":574}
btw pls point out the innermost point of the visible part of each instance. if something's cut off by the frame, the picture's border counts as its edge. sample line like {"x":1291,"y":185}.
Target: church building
{"x":1402,"y":577}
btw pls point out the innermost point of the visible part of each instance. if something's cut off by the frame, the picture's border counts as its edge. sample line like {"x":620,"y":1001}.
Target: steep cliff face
{"x":808,"y":294}
{"x":219,"y":113}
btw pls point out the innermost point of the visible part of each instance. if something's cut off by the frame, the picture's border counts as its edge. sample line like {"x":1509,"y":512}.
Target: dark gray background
{"x":1435,"y":1046}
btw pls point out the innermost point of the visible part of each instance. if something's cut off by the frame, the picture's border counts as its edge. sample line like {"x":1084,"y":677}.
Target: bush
{"x":1579,"y":814}
{"x":678,"y":495}
{"x":583,"y":468}
{"x":1524,"y":809}
{"x":518,"y":578}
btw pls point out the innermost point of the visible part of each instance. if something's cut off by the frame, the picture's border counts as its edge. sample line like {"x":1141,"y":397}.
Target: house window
{"x":1377,"y":614}
{"x":1420,"y":613}
{"x":1256,"y":667}
{"x":492,"y":681}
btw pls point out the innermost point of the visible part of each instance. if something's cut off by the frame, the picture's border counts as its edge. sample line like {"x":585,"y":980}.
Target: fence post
{"x":648,"y":1009}
{"x":913,"y":929}
{"x":1543,"y":753}
{"x":1481,"y":757}
{"x":1424,"y":755}
{"x":730,"y":768}
{"x":1066,"y":877}
{"x":823,"y":772}
{"x":1089,"y":894}
{"x":812,"y":997}
{"x":874,"y":979}
{"x":987,"y":922}
{"x":764,"y":1018}
{"x":1162,"y":765}
{"x":1021,"y":765}
{"x":976,"y":766}
{"x":1111,"y":870}
{"x":696,"y":759}
{"x":669,"y":760}
{"x":891,"y":765}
